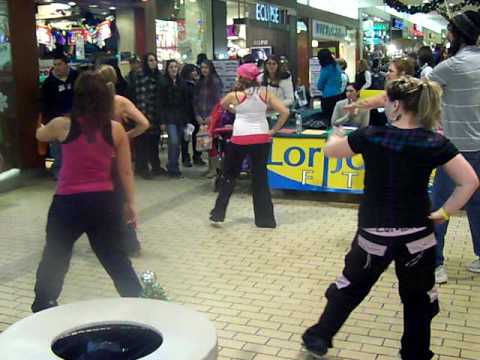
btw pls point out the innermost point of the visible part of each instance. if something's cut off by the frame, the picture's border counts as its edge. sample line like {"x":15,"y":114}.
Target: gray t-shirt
{"x":460,"y":78}
{"x":340,"y":117}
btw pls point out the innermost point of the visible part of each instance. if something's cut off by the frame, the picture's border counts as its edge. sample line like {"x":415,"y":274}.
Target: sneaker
{"x":187,"y":164}
{"x":39,"y":306}
{"x":216,"y":218}
{"x":199,"y":162}
{"x":441,"y":276}
{"x":474,"y":266}
{"x":316,"y":347}
{"x":159,"y":172}
{"x":147,"y":175}
{"x":175,"y":174}
{"x":266,"y":224}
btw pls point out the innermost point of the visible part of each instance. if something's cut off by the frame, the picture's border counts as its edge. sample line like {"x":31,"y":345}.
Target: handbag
{"x":204,"y":140}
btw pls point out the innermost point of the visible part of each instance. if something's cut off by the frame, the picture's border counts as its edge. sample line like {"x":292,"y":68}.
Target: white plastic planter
{"x":173,"y":332}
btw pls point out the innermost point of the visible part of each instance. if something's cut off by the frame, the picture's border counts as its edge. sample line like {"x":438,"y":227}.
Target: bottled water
{"x":298,"y":123}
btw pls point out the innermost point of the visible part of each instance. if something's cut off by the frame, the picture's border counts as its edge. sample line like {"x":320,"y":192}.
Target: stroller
{"x":220,"y":130}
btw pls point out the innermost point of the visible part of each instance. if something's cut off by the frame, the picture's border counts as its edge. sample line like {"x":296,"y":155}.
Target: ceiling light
{"x":112,"y":8}
{"x":105,"y":13}
{"x":93,"y":6}
{"x":72,"y":3}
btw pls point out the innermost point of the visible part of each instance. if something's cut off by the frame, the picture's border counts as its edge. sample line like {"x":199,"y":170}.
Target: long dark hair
{"x":146,"y":68}
{"x":325,"y":57}
{"x":268,"y":79}
{"x":186,"y":73}
{"x":167,"y":75}
{"x":212,"y":76}
{"x":93,"y":104}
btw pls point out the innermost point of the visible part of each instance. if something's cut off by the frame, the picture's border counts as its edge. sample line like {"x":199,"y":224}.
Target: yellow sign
{"x":346,"y":174}
{"x":297,"y":161}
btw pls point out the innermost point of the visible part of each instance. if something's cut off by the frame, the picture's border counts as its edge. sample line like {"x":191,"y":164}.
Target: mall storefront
{"x":318,"y":29}
{"x":261,"y":28}
{"x":85,"y":30}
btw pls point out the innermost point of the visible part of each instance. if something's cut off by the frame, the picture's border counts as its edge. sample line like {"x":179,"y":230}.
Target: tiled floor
{"x":260,"y":287}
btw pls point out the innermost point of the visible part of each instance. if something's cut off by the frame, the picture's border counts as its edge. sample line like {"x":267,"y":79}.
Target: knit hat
{"x":468,"y":24}
{"x":248,"y":71}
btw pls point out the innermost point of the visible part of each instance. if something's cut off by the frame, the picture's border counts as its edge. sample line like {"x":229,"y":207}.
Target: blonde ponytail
{"x":429,"y":104}
{"x":420,"y":97}
{"x":109,"y":75}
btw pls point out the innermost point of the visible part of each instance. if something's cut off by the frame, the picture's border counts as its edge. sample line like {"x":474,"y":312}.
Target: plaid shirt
{"x":146,"y":97}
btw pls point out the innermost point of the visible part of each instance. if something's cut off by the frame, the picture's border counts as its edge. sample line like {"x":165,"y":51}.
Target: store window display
{"x":183,"y":32}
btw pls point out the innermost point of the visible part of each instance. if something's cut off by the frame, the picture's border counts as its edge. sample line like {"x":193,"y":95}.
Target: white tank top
{"x":251,"y":125}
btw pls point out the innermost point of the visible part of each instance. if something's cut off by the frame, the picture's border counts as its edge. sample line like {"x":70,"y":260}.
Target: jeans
{"x":197,"y":155}
{"x":99,"y":216}
{"x":56,"y":154}
{"x":443,"y":187}
{"x":262,"y":199}
{"x":147,"y":153}
{"x":416,"y":286}
{"x":175,"y":136}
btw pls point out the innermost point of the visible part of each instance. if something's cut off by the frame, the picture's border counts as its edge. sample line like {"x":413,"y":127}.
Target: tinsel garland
{"x":433,"y":5}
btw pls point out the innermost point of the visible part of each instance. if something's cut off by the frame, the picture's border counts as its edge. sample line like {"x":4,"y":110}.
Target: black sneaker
{"x":147,"y":175}
{"x":175,"y":174}
{"x":315,"y":346}
{"x":216,"y":218}
{"x":39,"y":306}
{"x":187,"y":164}
{"x":199,"y":162}
{"x":159,"y":172}
{"x":266,"y":224}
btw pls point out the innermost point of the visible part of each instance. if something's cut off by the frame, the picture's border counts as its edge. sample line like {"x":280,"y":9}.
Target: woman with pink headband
{"x":251,"y":136}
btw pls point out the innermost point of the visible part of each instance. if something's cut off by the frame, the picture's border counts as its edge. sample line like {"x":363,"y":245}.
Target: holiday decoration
{"x":151,"y":288}
{"x":433,"y":5}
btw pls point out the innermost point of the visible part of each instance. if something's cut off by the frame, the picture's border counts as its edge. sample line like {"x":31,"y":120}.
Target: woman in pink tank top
{"x":84,"y":201}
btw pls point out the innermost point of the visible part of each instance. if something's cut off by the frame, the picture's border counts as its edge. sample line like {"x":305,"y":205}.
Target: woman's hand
{"x":437,"y":217}
{"x":351,"y":108}
{"x":130,"y":215}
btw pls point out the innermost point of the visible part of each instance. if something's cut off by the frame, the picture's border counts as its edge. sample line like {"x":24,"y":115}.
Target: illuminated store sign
{"x":267,"y":13}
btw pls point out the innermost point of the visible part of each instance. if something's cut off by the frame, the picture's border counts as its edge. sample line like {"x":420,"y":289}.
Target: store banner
{"x":346,"y":175}
{"x":297,"y":163}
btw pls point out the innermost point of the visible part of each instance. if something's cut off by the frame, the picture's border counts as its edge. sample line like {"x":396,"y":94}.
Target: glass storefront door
{"x":8,"y":126}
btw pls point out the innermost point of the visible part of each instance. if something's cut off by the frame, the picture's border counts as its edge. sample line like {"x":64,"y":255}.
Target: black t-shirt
{"x":58,"y":95}
{"x":398,"y":165}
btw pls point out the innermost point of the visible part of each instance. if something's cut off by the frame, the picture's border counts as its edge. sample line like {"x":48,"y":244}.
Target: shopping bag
{"x":204,"y":140}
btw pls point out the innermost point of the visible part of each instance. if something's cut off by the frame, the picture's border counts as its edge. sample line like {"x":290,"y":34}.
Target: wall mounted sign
{"x":267,"y":13}
{"x":323,"y":30}
{"x":260,"y":43}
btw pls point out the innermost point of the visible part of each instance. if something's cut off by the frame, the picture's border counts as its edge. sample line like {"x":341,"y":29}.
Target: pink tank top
{"x":86,"y":163}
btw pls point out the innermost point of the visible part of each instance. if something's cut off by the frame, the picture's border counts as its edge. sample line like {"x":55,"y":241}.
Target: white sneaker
{"x":441,"y":276}
{"x":474,"y":266}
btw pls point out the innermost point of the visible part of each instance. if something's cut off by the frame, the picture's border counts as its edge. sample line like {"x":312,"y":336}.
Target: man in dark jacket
{"x":57,"y":93}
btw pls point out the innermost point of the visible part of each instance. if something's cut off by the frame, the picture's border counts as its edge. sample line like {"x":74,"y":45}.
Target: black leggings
{"x":262,"y":199}
{"x":96,"y":214}
{"x":368,"y":258}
